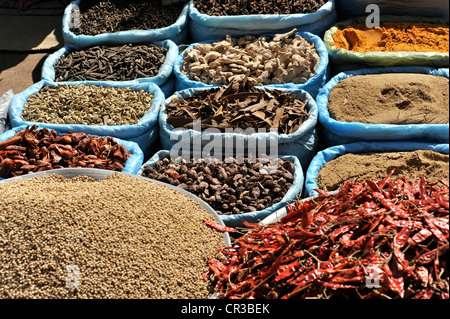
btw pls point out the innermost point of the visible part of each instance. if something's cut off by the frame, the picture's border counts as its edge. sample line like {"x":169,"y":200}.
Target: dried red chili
{"x":328,"y":246}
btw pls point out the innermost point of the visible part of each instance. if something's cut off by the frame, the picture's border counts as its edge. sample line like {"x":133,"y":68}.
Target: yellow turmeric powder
{"x":394,"y":36}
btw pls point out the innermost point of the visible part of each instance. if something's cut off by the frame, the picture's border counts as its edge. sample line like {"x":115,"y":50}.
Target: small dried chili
{"x":219,"y":227}
{"x":335,"y":245}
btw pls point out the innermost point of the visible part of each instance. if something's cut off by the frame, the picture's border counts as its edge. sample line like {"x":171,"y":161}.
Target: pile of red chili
{"x":386,"y":239}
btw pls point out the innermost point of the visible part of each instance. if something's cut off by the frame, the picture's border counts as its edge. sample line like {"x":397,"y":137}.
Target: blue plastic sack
{"x":204,"y":27}
{"x":332,"y":153}
{"x":177,"y":32}
{"x":132,"y":165}
{"x":145,"y":133}
{"x":312,"y":86}
{"x":334,"y":132}
{"x":302,"y":143}
{"x":427,"y":8}
{"x":253,"y":217}
{"x":162,"y":79}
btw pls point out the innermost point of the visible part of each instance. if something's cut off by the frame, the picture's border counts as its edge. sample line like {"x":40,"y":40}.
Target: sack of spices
{"x":399,"y":41}
{"x":87,"y":23}
{"x":355,"y":161}
{"x":347,"y":9}
{"x":403,"y":103}
{"x":40,"y":148}
{"x":209,"y":20}
{"x":241,"y":118}
{"x":128,"y":112}
{"x":129,"y":63}
{"x":272,"y":60}
{"x":238,"y":189}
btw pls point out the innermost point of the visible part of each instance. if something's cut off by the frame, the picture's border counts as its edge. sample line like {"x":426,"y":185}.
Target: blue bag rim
{"x":149,"y":120}
{"x":340,"y":128}
{"x":159,"y":79}
{"x":305,"y":127}
{"x":311,"y":38}
{"x":136,"y":158}
{"x":229,"y":21}
{"x":324,"y":156}
{"x":236,"y":219}
{"x":115,"y":36}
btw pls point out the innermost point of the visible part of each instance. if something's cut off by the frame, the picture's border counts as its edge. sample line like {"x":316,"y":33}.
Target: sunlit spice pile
{"x":129,"y":238}
{"x":386,"y":239}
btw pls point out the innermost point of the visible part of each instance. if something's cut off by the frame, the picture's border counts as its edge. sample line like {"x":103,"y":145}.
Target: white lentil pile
{"x":125,"y":237}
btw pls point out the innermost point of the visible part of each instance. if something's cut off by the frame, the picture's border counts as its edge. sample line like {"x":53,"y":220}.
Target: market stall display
{"x":97,"y":234}
{"x":313,"y":136}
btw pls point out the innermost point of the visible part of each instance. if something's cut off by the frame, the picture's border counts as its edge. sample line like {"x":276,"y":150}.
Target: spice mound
{"x":32,"y":150}
{"x":232,"y":7}
{"x":371,"y":240}
{"x":87,"y":104}
{"x":285,"y":58}
{"x":240,"y":105}
{"x":109,"y":16}
{"x":234,"y":186}
{"x":434,"y":165}
{"x":394,"y":36}
{"x":118,"y":238}
{"x":398,"y":98}
{"x":110,"y":63}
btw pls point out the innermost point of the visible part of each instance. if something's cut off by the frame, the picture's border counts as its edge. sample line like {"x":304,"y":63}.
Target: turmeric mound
{"x":394,"y":36}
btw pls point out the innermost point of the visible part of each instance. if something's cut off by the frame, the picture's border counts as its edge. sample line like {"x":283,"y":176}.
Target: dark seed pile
{"x":127,"y":237}
{"x":229,"y":187}
{"x":107,"y":16}
{"x":246,"y":7}
{"x":111,"y":63}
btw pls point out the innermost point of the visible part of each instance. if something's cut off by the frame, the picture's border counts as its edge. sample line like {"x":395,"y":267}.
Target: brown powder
{"x":398,"y":98}
{"x":393,"y":37}
{"x":376,"y":166}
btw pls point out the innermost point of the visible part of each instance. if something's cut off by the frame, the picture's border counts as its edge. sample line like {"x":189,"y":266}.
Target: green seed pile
{"x":124,"y":243}
{"x":88,"y":105}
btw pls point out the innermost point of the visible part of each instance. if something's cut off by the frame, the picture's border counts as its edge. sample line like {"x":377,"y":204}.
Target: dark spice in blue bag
{"x":110,"y":63}
{"x":235,"y":186}
{"x":246,"y":7}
